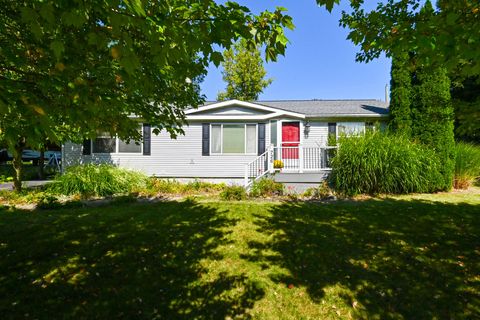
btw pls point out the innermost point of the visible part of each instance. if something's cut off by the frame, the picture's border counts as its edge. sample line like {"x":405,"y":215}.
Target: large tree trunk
{"x":18,"y":167}
{"x":41,"y":165}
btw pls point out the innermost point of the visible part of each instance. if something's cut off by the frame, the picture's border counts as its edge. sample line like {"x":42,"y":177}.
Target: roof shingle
{"x":325,"y":108}
{"x":328,"y":108}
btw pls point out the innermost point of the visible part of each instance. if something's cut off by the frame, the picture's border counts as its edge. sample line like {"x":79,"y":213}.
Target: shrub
{"x":266,"y":188}
{"x":204,"y":186}
{"x":467,"y":165}
{"x":401,"y":95}
{"x":165,"y":186}
{"x":233,"y":193}
{"x":172,"y":186}
{"x":97,"y":180}
{"x":381,"y":163}
{"x":432,"y":117}
{"x":323,"y":191}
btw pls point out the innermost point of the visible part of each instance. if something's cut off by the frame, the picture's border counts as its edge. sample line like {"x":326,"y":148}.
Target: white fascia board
{"x":239,"y":118}
{"x":244,"y":104}
{"x":333,"y":116}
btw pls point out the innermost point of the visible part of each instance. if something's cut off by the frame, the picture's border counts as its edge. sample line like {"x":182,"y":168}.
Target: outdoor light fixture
{"x":307,"y":127}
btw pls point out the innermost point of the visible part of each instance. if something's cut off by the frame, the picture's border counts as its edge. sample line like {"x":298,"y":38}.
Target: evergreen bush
{"x":384,"y":163}
{"x":432,"y":117}
{"x":401,"y":95}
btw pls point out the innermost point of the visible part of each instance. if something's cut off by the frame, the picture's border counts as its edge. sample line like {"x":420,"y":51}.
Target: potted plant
{"x":278,"y":165}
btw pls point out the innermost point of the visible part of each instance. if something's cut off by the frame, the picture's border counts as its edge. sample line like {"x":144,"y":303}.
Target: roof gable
{"x":236,"y":109}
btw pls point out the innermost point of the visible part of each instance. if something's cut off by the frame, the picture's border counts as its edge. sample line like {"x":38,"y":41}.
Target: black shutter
{"x":205,"y":139}
{"x":87,"y":147}
{"x":261,"y":138}
{"x":147,"y":139}
{"x":332,"y":128}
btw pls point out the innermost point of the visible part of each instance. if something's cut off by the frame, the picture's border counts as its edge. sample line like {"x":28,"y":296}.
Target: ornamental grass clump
{"x":98,"y":180}
{"x":384,"y":163}
{"x":467,"y":165}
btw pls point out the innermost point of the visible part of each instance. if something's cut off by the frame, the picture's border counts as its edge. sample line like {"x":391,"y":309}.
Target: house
{"x":236,"y":141}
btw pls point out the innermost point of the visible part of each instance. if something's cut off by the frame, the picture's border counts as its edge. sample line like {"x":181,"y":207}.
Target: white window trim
{"x":221,"y":139}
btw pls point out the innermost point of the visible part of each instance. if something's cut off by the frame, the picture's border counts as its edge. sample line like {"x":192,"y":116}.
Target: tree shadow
{"x":397,"y":259}
{"x":123,"y":261}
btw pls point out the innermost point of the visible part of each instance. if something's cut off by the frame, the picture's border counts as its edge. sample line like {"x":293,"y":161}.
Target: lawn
{"x":415,"y":257}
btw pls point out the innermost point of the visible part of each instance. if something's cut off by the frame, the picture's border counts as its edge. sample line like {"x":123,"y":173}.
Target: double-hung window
{"x":233,"y":138}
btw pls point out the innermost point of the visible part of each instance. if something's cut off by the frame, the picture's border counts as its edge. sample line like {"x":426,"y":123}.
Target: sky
{"x":319,"y":62}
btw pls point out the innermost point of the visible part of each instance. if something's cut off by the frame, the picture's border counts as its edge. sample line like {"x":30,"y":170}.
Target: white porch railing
{"x":295,"y":159}
{"x":259,"y":167}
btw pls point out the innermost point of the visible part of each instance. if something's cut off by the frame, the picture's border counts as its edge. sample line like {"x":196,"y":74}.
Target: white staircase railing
{"x":259,"y":167}
{"x":294,"y":159}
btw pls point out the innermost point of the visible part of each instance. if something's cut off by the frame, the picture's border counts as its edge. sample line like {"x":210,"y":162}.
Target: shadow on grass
{"x":396,"y":259}
{"x":123,"y":261}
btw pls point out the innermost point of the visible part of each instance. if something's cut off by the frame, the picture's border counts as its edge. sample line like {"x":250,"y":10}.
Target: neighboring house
{"x":237,"y":141}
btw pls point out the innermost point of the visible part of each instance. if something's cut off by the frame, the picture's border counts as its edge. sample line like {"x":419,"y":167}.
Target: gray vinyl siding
{"x":180,"y":158}
{"x":317,"y":136}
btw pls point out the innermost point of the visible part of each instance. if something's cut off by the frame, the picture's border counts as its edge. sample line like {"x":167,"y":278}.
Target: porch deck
{"x":299,"y":164}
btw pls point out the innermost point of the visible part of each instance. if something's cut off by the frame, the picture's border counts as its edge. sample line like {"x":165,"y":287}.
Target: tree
{"x":243,"y":72}
{"x":89,"y":65}
{"x":432,"y":116}
{"x":449,"y":38}
{"x":466,"y":102}
{"x":401,"y":95}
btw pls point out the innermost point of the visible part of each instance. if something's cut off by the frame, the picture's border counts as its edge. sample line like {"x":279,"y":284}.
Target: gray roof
{"x":328,"y":108}
{"x":325,"y":108}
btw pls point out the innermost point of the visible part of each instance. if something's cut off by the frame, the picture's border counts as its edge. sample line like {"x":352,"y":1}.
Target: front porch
{"x":291,"y":165}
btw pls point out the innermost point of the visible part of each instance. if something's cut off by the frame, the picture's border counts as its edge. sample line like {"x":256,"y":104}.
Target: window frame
{"x":117,"y":146}
{"x":348,"y":134}
{"x":221,"y":124}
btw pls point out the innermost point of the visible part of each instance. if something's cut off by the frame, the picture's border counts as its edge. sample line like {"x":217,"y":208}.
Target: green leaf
{"x":216,"y":57}
{"x":136,"y":6}
{"x":57,"y":48}
{"x":46,"y":12}
{"x":328,"y":4}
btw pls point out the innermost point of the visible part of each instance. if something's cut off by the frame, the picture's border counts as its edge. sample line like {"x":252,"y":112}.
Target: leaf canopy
{"x":69,"y":68}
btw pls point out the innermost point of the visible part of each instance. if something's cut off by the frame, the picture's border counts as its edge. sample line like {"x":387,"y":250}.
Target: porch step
{"x":306,"y":177}
{"x":300,"y":182}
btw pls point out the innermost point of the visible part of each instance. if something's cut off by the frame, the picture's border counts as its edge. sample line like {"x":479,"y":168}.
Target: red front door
{"x":290,"y":140}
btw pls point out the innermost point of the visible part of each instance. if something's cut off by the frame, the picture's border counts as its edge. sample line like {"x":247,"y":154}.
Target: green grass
{"x":408,"y":257}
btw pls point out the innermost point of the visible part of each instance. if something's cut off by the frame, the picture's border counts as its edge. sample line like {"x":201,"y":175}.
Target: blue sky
{"x":319,"y":62}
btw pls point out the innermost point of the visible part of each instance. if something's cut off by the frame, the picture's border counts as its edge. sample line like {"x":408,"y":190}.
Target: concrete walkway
{"x":27,"y":184}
